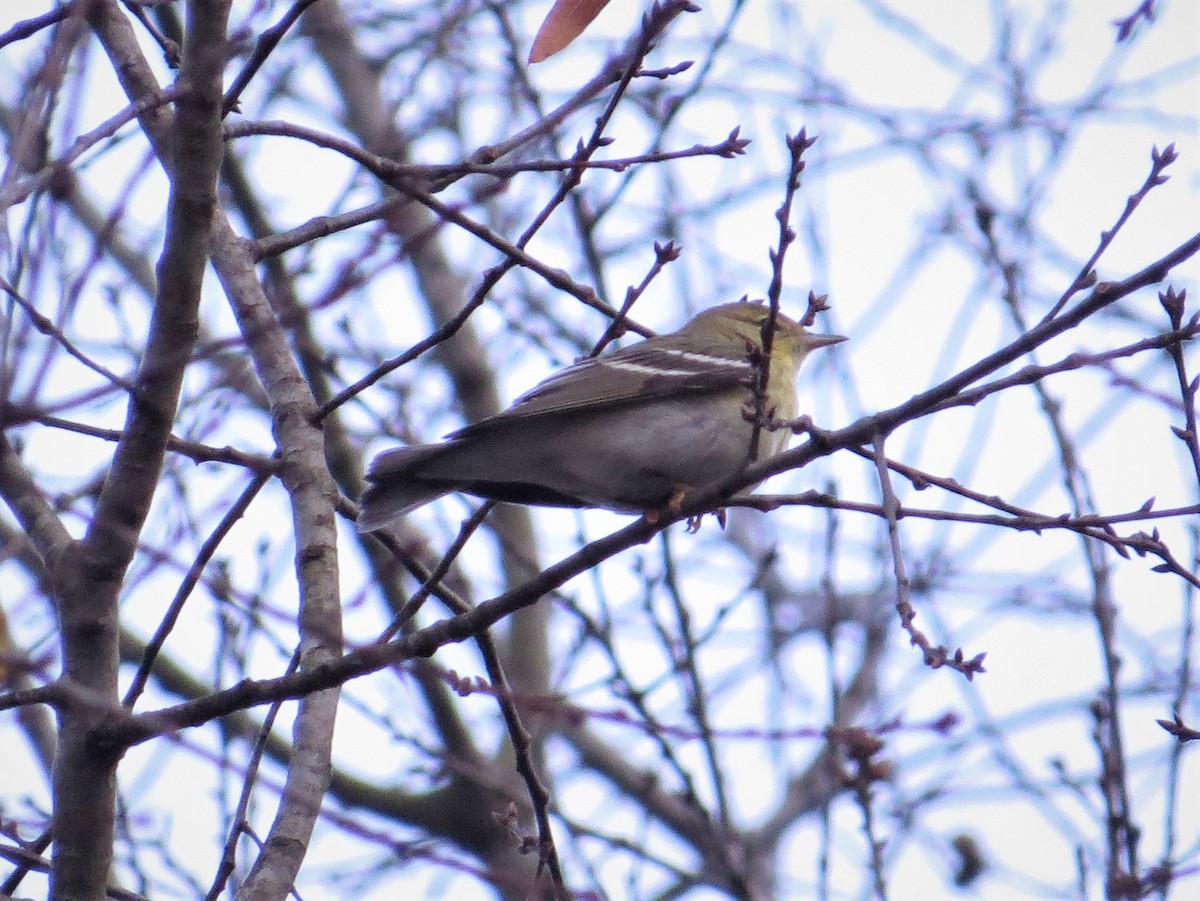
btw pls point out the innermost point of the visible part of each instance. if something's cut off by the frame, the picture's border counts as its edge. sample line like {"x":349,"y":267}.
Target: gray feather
{"x":393,"y":489}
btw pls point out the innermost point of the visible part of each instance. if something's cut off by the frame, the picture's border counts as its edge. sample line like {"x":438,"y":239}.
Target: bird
{"x":633,"y":431}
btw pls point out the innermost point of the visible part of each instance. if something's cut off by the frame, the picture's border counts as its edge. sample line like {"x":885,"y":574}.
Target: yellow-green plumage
{"x":628,"y":431}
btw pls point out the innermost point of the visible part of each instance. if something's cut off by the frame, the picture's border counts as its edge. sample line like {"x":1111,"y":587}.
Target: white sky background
{"x":863,"y":209}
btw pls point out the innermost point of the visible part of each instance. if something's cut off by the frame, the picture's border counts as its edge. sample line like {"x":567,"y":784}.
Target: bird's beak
{"x":815,"y":341}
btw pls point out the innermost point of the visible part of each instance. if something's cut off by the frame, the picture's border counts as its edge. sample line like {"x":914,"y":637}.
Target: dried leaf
{"x":565,"y":21}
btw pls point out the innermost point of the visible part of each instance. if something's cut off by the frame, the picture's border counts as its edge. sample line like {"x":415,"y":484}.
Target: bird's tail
{"x":395,"y":489}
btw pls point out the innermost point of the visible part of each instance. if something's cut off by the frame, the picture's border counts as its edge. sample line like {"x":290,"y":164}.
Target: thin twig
{"x":1159,"y":161}
{"x":935,"y":657}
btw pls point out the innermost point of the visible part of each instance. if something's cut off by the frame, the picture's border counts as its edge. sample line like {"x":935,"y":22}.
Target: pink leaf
{"x":565,"y":21}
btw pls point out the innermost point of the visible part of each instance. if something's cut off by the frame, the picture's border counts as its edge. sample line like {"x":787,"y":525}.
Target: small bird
{"x":633,"y":431}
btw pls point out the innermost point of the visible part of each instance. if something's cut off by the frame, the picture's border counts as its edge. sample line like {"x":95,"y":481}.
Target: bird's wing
{"x":644,"y":372}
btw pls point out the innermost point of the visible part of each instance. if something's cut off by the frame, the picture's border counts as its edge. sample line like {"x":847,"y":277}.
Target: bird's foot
{"x":693,"y":523}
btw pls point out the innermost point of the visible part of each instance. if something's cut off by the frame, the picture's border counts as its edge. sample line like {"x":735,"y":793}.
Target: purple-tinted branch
{"x":796,"y":144}
{"x":263,"y":47}
{"x":664,"y":254}
{"x":1126,"y":24}
{"x":27,"y":28}
{"x":1159,"y":161}
{"x":935,"y":657}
